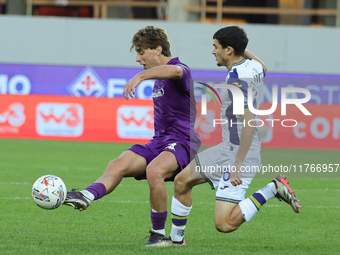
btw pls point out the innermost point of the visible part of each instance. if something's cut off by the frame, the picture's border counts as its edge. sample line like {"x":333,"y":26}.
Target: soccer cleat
{"x":166,"y":242}
{"x":285,"y":193}
{"x":179,"y":244}
{"x":77,"y":200}
{"x":157,"y":240}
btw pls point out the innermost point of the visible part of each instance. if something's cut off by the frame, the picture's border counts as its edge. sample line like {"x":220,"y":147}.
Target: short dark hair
{"x":149,"y":38}
{"x":234,"y":37}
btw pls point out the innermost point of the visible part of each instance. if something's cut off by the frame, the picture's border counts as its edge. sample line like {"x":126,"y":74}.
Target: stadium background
{"x":90,"y":58}
{"x":61,"y":79}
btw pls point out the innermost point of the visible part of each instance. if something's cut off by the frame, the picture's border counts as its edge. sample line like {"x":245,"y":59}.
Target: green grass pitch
{"x":118,"y":223}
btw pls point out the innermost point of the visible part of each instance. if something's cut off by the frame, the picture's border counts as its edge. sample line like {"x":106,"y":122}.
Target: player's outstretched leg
{"x":128,"y":163}
{"x":285,"y":193}
{"x":278,"y":187}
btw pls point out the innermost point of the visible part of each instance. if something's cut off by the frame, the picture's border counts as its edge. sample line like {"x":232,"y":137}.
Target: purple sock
{"x":158,"y":220}
{"x":97,"y":189}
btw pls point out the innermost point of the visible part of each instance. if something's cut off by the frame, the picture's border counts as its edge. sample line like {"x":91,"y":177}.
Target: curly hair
{"x":149,"y":38}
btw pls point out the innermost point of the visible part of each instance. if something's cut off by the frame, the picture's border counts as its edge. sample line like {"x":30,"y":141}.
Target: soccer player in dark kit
{"x":175,"y":141}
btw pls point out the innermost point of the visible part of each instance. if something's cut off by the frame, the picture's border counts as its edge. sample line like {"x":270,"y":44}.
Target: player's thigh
{"x":227,"y":199}
{"x":163,"y":166}
{"x":129,"y":163}
{"x":223,"y":211}
{"x":211,"y":163}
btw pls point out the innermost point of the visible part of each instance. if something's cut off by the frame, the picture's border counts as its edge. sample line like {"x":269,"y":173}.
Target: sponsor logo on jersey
{"x":59,"y":119}
{"x":135,"y":122}
{"x":87,"y":83}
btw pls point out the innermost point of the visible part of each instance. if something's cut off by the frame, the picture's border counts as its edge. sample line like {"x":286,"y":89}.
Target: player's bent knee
{"x":154,"y":175}
{"x":111,"y":166}
{"x":115,"y":167}
{"x":181,"y":184}
{"x":225,"y":228}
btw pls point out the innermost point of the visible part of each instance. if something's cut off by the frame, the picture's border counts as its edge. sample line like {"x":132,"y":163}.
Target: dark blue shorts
{"x":180,"y":148}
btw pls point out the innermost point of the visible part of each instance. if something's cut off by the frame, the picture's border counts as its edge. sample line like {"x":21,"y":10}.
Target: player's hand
{"x":235,"y":177}
{"x":129,"y":88}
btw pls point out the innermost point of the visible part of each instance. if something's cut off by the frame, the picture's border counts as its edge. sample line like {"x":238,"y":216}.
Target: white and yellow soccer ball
{"x":49,"y":192}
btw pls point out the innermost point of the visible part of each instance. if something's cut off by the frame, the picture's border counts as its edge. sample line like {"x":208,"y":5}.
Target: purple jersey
{"x":175,"y":107}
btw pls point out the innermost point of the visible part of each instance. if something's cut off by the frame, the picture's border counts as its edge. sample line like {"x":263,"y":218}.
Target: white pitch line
{"x":16,"y":198}
{"x":129,"y":202}
{"x":127,"y":185}
{"x":16,"y":183}
{"x":203,"y":203}
{"x":85,"y":168}
{"x":316,"y":207}
{"x":316,"y":190}
{"x":200,"y":203}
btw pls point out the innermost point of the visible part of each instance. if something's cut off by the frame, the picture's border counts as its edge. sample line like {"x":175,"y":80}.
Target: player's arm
{"x":248,"y":54}
{"x":247,"y":135}
{"x":162,"y":72}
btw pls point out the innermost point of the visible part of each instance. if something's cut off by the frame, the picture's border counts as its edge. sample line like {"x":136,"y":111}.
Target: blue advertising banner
{"x":79,"y":81}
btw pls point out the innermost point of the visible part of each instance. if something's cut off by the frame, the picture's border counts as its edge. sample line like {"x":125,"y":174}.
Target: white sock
{"x":269,"y":191}
{"x":249,"y":210}
{"x":251,"y":205}
{"x":159,"y":231}
{"x":88,"y":194}
{"x":179,"y":215}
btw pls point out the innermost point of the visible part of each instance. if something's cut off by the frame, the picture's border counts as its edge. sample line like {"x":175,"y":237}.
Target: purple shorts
{"x":181,"y":149}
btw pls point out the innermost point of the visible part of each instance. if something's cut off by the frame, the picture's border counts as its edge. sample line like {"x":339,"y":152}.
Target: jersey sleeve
{"x":185,"y":80}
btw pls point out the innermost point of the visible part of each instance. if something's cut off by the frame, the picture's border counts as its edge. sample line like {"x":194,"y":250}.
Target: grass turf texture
{"x":117,"y":223}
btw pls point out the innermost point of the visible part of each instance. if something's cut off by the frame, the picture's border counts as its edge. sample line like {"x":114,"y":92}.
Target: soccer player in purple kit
{"x":175,"y":141}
